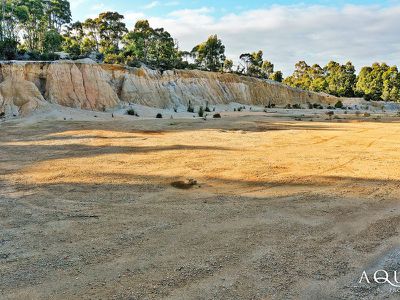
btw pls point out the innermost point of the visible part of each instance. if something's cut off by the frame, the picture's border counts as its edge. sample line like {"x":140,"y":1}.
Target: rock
{"x":19,"y":97}
{"x":87,"y":85}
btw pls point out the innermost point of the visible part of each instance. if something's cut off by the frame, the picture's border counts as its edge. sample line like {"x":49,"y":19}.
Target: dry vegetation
{"x":237,"y":208}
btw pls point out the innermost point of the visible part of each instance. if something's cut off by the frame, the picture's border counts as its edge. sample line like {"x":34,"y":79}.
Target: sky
{"x":286,"y":31}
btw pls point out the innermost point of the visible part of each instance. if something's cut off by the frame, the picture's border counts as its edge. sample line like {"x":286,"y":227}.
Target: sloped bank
{"x":25,"y":86}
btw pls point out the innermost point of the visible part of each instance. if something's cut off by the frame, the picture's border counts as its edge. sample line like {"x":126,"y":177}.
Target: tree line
{"x":378,"y":82}
{"x":37,"y":29}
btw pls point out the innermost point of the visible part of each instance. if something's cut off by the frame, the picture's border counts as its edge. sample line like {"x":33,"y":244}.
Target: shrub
{"x":288,"y":106}
{"x":201,"y":112}
{"x":217,"y":116}
{"x":297,"y":106}
{"x":159,"y":116}
{"x":131,"y":112}
{"x":49,"y":56}
{"x":367,"y":115}
{"x":8,"y":49}
{"x":309,"y":105}
{"x":113,"y":59}
{"x":207,"y":108}
{"x":318,"y":106}
{"x":190,"y":107}
{"x":339,"y":104}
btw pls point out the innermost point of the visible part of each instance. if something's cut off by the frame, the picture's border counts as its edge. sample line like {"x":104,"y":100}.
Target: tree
{"x":391,"y":84}
{"x":155,"y":47}
{"x":111,"y":30}
{"x":267,"y":69}
{"x":210,"y":55}
{"x":58,"y":13}
{"x":35,"y":24}
{"x":228,"y":65}
{"x":340,"y":79}
{"x":12,"y":15}
{"x":277,"y":76}
{"x":52,"y":41}
{"x":370,"y":81}
{"x":92,"y":31}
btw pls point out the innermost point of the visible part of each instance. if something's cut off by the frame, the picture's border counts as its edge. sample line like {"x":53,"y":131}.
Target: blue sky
{"x":286,"y":31}
{"x":162,"y":7}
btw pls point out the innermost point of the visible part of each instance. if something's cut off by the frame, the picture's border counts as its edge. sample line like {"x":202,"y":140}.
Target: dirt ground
{"x":282,"y":209}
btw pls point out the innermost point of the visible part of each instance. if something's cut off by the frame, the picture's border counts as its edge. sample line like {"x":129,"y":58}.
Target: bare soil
{"x":246,"y":207}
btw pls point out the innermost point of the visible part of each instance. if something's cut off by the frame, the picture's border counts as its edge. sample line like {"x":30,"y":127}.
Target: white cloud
{"x":363,"y":34}
{"x":152,"y":5}
{"x":287,"y":34}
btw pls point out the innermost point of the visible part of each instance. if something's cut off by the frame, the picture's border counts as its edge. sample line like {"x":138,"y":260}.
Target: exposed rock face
{"x":91,"y":86}
{"x":19,"y":97}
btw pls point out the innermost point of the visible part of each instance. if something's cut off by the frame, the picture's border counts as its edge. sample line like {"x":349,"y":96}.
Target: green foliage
{"x":210,"y":55}
{"x":132,"y":112}
{"x":159,"y":116}
{"x":154,"y":47}
{"x":190,"y":107}
{"x":8,"y":49}
{"x":254,"y":65}
{"x":339,"y":104}
{"x":228,"y":65}
{"x":335,"y":79}
{"x":201,"y":112}
{"x":113,"y":58}
{"x":52,"y":41}
{"x":276,"y":76}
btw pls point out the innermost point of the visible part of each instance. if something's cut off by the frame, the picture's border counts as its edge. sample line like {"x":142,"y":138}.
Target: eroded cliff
{"x":26,"y":86}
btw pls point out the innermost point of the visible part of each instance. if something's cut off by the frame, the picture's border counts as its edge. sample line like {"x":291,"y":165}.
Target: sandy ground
{"x":282,"y":209}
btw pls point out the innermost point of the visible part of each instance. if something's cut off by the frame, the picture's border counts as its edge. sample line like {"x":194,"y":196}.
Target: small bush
{"x":159,"y":116}
{"x":309,"y":105}
{"x":339,"y":104}
{"x":367,"y":115}
{"x":201,"y":112}
{"x":217,"y":116}
{"x":190,"y":107}
{"x":2,"y":114}
{"x":288,"y":106}
{"x":318,"y":106}
{"x":358,"y":113}
{"x":297,"y":106}
{"x":131,"y":112}
{"x":330,"y":114}
{"x":330,"y":107}
{"x":207,"y":108}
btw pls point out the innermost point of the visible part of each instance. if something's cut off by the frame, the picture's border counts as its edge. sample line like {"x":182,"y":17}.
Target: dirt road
{"x":281,"y":209}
